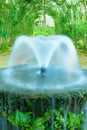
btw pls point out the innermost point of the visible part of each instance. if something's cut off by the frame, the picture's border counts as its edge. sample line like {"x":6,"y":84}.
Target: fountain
{"x":43,"y":74}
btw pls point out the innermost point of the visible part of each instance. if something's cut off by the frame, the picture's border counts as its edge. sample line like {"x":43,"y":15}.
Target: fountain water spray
{"x":43,"y":49}
{"x":50,"y":55}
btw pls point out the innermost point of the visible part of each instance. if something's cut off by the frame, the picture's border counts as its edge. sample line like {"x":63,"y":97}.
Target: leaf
{"x":22,"y":117}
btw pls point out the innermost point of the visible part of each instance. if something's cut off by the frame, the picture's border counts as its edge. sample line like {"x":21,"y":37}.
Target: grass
{"x":83,"y":58}
{"x":4,"y":57}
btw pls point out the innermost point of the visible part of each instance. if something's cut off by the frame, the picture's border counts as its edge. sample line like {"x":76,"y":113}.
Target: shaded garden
{"x":19,"y":18}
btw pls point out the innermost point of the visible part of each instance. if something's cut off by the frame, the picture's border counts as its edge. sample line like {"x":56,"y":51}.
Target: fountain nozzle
{"x":43,"y":70}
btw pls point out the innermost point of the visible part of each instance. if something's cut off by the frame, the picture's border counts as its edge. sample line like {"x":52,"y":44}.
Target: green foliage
{"x":27,"y":122}
{"x":74,"y":120}
{"x":20,"y":118}
{"x":69,"y":18}
{"x":17,"y":18}
{"x":41,"y":30}
{"x":59,"y":119}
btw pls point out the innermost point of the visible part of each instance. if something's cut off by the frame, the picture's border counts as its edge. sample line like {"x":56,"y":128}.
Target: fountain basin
{"x":28,"y":79}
